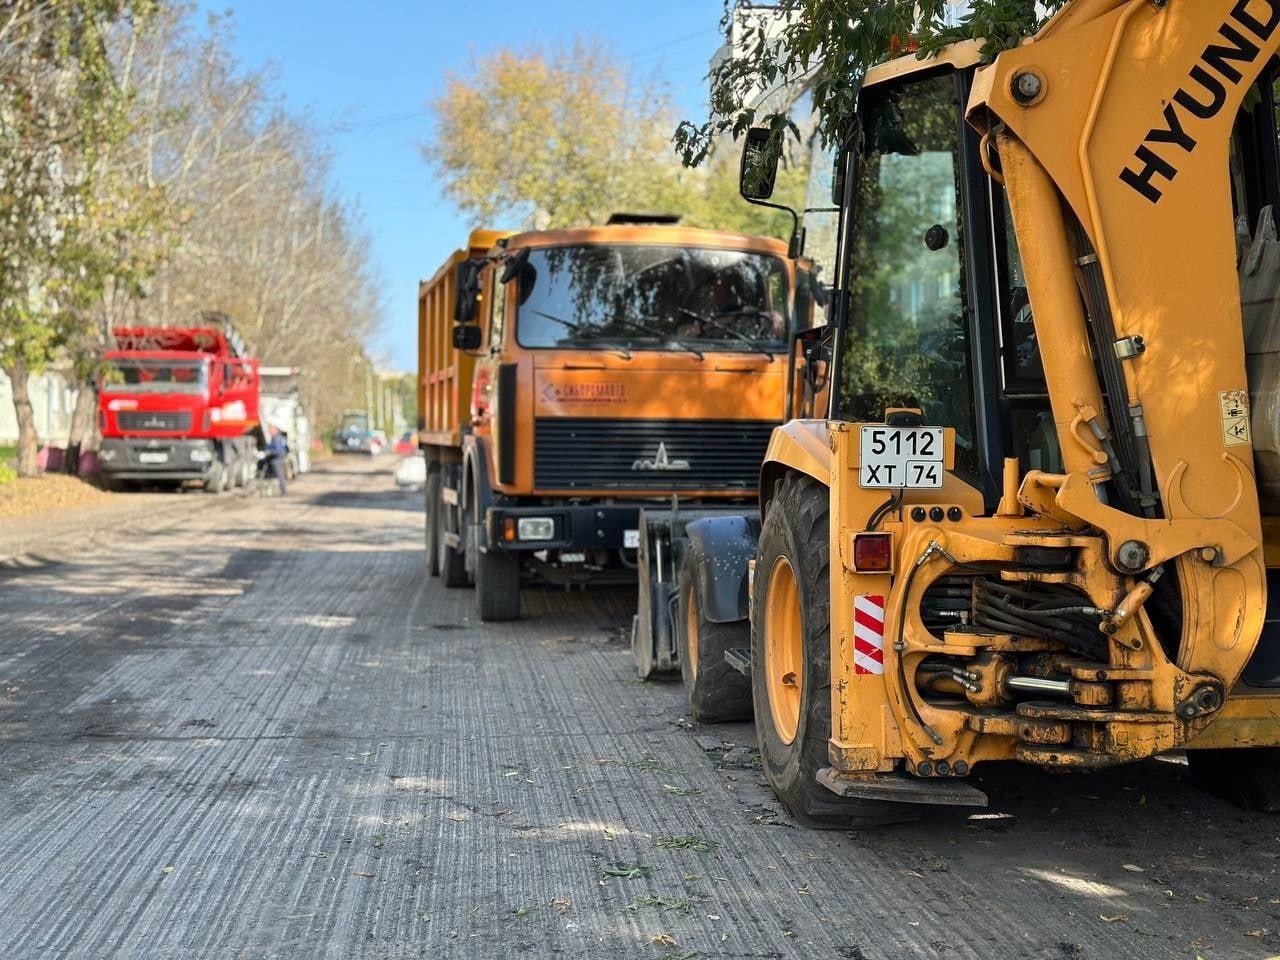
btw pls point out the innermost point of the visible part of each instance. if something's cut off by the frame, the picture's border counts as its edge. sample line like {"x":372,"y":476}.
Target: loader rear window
{"x":652,"y":298}
{"x":907,"y":342}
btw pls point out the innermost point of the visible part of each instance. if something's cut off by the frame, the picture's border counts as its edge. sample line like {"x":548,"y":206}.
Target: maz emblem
{"x":661,"y":462}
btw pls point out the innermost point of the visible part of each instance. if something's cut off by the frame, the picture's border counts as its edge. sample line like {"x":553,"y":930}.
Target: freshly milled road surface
{"x":253,"y":729}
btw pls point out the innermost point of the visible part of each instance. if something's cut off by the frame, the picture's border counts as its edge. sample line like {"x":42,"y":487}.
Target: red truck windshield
{"x":155,"y":376}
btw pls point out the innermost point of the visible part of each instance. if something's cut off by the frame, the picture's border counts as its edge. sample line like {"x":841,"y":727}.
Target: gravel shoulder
{"x":254,"y":729}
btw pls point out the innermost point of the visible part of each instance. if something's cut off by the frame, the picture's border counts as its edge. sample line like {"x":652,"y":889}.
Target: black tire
{"x":214,"y":479}
{"x":452,"y":563}
{"x":717,"y":693}
{"x":497,"y":596}
{"x":431,"y":506}
{"x":795,"y":530}
{"x":1249,"y":777}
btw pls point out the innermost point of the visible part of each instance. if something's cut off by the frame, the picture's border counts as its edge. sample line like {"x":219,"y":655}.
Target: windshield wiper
{"x":755,"y":345}
{"x":664,"y":337}
{"x":580,"y":328}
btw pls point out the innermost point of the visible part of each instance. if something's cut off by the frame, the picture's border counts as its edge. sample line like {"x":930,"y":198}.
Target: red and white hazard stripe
{"x":868,"y":635}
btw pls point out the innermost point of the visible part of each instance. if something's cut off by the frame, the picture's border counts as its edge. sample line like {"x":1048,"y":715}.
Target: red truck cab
{"x":178,"y":404}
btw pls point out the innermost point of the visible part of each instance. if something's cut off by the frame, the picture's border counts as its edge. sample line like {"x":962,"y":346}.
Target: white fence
{"x":53,"y":400}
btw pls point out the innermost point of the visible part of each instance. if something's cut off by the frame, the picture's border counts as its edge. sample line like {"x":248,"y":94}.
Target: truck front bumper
{"x":156,"y":459}
{"x":570,"y":527}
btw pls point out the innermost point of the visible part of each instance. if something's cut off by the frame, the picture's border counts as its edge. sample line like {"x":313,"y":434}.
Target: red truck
{"x":179,"y":404}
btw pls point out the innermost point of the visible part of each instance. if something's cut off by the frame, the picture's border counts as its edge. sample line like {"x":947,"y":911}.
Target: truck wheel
{"x":452,"y":563}
{"x":431,"y":505}
{"x":791,"y":659}
{"x":213,"y":480}
{"x":1249,"y":777}
{"x":497,"y":596}
{"x":717,"y":692}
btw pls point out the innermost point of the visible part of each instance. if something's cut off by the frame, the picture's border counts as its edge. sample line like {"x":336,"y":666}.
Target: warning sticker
{"x":1235,"y":418}
{"x":868,"y":635}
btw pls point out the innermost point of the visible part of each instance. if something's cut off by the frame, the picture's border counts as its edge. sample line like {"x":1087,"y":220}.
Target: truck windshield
{"x":155,"y":376}
{"x":907,"y":343}
{"x":354,"y":423}
{"x":652,"y":298}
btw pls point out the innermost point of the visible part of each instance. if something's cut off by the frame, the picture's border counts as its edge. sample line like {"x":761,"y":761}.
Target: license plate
{"x":152,"y":457}
{"x":631,"y":539}
{"x":898,"y":457}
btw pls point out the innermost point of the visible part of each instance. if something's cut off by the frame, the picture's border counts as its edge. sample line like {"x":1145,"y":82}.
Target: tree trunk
{"x":27,"y":439}
{"x":81,"y":422}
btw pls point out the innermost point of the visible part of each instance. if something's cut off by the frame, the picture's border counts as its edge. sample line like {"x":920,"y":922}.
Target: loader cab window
{"x":1033,"y":435}
{"x":907,"y":341}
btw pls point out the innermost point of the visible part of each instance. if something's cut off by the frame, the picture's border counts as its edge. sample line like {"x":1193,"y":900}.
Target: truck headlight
{"x":201,"y":455}
{"x":536,"y":528}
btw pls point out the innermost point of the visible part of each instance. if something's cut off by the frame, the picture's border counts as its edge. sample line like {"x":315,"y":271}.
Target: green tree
{"x":825,"y":47}
{"x":564,"y":137}
{"x":61,"y":110}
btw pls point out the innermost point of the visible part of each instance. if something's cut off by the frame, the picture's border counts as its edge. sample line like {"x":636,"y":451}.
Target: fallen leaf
{"x":562,"y":904}
{"x":368,"y":876}
{"x":166,"y":870}
{"x":1132,"y":868}
{"x":1118,"y":918}
{"x":663,"y":940}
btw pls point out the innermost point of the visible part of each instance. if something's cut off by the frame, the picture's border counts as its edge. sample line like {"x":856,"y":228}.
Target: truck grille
{"x":143,"y":421}
{"x":573,"y":454}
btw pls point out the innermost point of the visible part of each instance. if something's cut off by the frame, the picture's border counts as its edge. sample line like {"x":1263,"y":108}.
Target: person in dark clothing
{"x":277,"y":449}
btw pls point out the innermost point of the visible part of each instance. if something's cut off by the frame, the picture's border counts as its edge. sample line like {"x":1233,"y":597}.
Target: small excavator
{"x":1041,"y":519}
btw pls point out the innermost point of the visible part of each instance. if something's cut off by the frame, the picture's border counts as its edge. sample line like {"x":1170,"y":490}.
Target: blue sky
{"x":370,"y":74}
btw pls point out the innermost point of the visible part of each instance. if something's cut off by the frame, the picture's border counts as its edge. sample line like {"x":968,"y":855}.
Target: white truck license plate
{"x":150,"y":457}
{"x":897,"y":457}
{"x":631,"y":539}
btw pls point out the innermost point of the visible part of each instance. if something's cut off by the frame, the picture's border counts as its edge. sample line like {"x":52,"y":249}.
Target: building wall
{"x":53,"y":400}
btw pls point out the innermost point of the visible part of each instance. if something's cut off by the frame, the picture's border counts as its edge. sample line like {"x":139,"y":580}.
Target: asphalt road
{"x":246,"y":728}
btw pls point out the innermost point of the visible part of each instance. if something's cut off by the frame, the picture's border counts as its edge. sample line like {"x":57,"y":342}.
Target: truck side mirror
{"x":467,"y":284}
{"x":515,"y":266}
{"x":759,"y":169}
{"x":466,"y":337}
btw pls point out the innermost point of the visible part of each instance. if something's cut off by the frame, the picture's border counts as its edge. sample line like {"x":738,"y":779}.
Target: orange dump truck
{"x":569,"y":379}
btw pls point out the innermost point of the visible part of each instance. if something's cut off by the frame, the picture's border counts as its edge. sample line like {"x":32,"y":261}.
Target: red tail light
{"x":873,"y":552}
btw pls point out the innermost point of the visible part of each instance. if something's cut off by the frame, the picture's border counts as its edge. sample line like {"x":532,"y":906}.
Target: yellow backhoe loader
{"x":1042,"y":516}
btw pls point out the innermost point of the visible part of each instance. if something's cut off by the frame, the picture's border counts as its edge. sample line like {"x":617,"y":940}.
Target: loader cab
{"x":936,"y":313}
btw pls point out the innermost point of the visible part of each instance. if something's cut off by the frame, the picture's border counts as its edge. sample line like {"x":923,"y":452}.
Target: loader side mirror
{"x":759,"y":169}
{"x":467,"y":285}
{"x":467,"y":337}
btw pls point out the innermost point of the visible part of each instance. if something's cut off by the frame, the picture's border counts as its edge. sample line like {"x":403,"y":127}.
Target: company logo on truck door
{"x":1203,"y":96}
{"x":602,"y":392}
{"x":661,"y":461}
